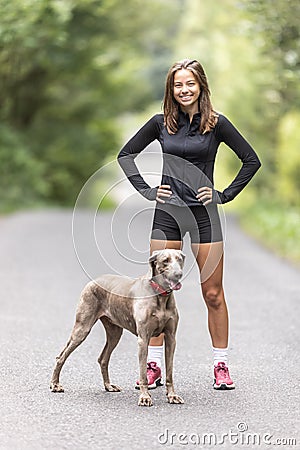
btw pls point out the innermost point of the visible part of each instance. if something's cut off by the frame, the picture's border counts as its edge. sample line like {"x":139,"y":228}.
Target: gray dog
{"x":145,"y":306}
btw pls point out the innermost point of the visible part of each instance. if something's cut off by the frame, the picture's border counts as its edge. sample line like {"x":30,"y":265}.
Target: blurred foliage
{"x":287,"y":180}
{"x":68,"y":69}
{"x":277,"y":35}
{"x":21,"y":172}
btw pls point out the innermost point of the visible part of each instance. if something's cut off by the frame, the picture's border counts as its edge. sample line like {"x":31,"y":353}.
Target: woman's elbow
{"x":258,"y":163}
{"x":121,"y":157}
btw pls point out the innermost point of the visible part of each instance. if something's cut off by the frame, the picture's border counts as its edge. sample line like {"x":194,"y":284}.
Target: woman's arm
{"x":228,"y":134}
{"x":147,"y":134}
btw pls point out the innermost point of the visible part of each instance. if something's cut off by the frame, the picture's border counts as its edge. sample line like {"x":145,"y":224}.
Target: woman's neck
{"x":191,"y":111}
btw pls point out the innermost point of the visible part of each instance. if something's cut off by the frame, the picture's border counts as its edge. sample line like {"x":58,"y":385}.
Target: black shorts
{"x":171,"y":222}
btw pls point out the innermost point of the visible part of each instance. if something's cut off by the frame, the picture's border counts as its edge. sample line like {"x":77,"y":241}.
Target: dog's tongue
{"x":175,"y":286}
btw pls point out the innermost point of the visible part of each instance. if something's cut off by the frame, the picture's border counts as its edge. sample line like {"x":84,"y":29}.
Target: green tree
{"x":68,"y":69}
{"x":276,"y":27}
{"x":287,"y":180}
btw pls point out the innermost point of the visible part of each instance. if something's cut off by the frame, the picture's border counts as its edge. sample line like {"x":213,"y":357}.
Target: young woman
{"x":190,"y":131}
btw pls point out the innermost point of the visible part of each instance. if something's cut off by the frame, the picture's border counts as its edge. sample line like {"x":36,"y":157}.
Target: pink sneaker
{"x":153,"y":376}
{"x":222,"y":379}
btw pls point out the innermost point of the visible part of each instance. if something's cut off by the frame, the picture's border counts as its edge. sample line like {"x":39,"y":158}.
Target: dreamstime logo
{"x":240,"y":437}
{"x":119,"y":238}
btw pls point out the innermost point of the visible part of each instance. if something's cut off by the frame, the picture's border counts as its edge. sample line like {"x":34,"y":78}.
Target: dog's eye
{"x":166,"y":261}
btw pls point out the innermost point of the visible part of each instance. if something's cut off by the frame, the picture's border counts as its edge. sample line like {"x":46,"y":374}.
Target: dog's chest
{"x":156,"y":315}
{"x":124,"y":319}
{"x":162,"y":315}
{"x":160,"y":319}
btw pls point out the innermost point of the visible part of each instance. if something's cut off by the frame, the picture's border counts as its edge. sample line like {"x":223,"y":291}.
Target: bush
{"x":287,"y":177}
{"x":21,"y":181}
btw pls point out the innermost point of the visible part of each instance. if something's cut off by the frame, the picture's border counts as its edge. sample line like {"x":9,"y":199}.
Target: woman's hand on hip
{"x":163,"y":191}
{"x":205,"y":195}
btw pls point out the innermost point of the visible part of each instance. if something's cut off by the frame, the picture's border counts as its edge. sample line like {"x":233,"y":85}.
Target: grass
{"x":275,"y":225}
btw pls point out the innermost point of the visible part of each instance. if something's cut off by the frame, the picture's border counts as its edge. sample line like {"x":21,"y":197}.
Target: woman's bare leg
{"x":209,"y":259}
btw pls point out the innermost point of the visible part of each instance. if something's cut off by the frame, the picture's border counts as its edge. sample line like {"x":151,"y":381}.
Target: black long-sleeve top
{"x":189,"y":158}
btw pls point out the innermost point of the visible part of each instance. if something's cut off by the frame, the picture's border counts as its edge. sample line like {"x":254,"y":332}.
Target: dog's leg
{"x":113,"y":336}
{"x":170,"y":344}
{"x":145,"y":397}
{"x":81,"y":329}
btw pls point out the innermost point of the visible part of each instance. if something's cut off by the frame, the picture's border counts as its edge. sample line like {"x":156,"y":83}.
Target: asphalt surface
{"x":41,"y":279}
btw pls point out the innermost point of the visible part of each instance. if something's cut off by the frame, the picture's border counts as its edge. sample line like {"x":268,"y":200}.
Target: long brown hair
{"x":171,"y":106}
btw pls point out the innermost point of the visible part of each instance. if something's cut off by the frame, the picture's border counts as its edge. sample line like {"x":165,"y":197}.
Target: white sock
{"x":220,"y":355}
{"x":155,"y":353}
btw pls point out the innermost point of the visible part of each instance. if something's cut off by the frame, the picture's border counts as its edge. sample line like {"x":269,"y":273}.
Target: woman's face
{"x":186,"y":90}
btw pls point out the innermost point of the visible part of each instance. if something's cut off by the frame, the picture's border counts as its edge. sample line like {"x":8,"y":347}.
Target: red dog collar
{"x":160,"y":290}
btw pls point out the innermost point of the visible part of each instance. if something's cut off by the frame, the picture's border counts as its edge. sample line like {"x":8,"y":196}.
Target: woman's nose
{"x":184,"y":89}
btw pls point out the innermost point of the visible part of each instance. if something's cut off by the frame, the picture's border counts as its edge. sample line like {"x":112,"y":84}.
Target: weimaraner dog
{"x":145,"y":306}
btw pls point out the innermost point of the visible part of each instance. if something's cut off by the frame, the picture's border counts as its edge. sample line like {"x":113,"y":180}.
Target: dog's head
{"x":167,"y":267}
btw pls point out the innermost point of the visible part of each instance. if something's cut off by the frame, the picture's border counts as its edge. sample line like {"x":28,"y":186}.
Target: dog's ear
{"x":152,"y":260}
{"x":153,"y":257}
{"x":182,"y":255}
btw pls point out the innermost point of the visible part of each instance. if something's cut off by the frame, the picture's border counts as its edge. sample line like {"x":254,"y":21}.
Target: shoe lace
{"x":224,"y":369}
{"x":151,"y":366}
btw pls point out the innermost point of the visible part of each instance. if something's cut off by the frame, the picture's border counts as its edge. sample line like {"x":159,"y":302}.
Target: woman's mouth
{"x":185,"y":98}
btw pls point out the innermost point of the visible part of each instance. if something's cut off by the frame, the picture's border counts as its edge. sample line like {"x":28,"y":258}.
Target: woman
{"x":190,"y":131}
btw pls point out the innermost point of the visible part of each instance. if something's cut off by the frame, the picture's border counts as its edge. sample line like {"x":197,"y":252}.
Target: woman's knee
{"x":213,"y":296}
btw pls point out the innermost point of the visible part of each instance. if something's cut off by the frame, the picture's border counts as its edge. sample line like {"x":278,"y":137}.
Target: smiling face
{"x":186,"y":91}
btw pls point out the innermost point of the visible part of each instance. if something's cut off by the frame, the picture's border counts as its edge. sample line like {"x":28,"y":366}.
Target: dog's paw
{"x":174,"y":398}
{"x":56,"y":387}
{"x":112,"y":388}
{"x":145,"y":400}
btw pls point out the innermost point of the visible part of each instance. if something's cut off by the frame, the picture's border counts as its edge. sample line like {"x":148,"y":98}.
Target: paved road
{"x":41,"y":278}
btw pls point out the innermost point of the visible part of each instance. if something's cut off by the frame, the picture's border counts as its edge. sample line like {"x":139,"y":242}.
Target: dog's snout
{"x":177,"y":274}
{"x":176,"y":270}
